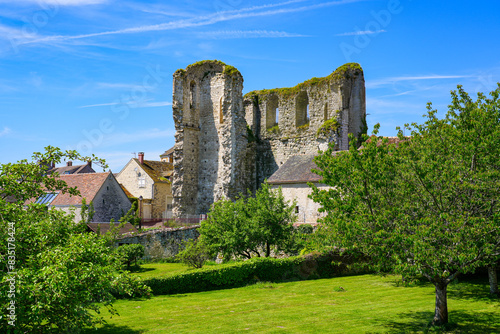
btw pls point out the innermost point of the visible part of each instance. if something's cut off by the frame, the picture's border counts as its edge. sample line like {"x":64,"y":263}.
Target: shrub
{"x":195,"y":254}
{"x":129,"y":253}
{"x":237,"y":274}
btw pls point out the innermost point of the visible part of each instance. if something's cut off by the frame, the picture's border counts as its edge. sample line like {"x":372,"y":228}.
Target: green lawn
{"x":150,"y":270}
{"x":354,"y":304}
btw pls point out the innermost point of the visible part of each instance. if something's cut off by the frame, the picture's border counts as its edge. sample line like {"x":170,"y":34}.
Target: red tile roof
{"x":88,"y":185}
{"x":102,"y":228}
{"x":76,"y":169}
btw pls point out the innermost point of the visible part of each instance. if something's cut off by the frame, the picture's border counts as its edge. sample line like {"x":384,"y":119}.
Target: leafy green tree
{"x":194,"y":254}
{"x":426,"y":206}
{"x":57,"y":276}
{"x":250,"y":227}
{"x":129,"y":253}
{"x":131,"y":216}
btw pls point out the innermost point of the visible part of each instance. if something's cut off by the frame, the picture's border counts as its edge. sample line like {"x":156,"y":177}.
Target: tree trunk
{"x":268,"y":249}
{"x":441,"y":314}
{"x":492,"y":277}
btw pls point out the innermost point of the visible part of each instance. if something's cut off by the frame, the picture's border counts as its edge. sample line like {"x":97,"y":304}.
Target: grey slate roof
{"x":297,"y":169}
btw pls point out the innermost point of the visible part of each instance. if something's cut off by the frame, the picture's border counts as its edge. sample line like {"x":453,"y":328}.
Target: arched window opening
{"x":221,"y":116}
{"x":272,"y":111}
{"x":301,"y":109}
{"x":192,"y":95}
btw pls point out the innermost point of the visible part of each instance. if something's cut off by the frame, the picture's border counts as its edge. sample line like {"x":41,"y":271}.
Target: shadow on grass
{"x":111,"y":329}
{"x":472,"y":289}
{"x":460,"y":322}
{"x":139,"y":269}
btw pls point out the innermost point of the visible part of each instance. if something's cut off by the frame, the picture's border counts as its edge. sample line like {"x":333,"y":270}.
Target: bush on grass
{"x":238,"y":274}
{"x":195,"y":254}
{"x":129,"y":253}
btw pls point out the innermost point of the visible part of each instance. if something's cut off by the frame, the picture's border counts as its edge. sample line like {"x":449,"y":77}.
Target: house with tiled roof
{"x":73,"y":169}
{"x":149,"y":182}
{"x":293,"y":177}
{"x":168,"y":155}
{"x":108,"y":198}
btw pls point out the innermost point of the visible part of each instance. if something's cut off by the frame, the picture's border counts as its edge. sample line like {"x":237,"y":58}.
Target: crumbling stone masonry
{"x":226,"y":143}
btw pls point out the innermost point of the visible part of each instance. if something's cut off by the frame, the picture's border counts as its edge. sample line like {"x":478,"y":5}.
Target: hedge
{"x":238,"y":274}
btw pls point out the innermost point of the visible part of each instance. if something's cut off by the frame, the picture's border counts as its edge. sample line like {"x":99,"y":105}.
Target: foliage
{"x":129,"y":253}
{"x":195,"y":253}
{"x":60,"y":273}
{"x":275,"y":130}
{"x":132,"y":216}
{"x":236,"y":274}
{"x":87,"y":211}
{"x":249,"y":227}
{"x":428,"y":206}
{"x":329,"y":126}
{"x":250,"y":135}
{"x":303,"y":127}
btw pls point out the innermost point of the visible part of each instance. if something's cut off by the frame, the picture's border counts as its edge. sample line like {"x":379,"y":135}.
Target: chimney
{"x":69,"y":163}
{"x":141,"y":157}
{"x":89,"y":163}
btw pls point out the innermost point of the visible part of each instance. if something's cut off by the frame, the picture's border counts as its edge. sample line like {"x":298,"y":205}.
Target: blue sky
{"x":96,"y":75}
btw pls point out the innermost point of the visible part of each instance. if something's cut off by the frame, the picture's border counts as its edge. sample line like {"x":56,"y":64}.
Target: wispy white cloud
{"x":393,"y":80}
{"x":132,"y":104}
{"x":366,"y":32}
{"x":229,"y":34}
{"x":199,"y":21}
{"x":59,"y":2}
{"x":5,"y":131}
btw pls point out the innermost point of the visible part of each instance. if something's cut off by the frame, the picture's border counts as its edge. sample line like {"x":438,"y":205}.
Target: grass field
{"x":150,"y":270}
{"x":352,"y":304}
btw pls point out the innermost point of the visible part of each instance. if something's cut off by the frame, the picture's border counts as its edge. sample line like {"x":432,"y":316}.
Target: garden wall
{"x":162,"y":243}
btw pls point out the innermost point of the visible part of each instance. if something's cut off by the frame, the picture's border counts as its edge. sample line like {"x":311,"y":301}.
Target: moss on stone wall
{"x":231,"y":70}
{"x":274,"y":130}
{"x":343,"y":72}
{"x":180,"y":72}
{"x":328,"y":126}
{"x":228,"y":69}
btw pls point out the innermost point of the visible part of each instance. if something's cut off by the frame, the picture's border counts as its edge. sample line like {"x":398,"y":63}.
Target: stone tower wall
{"x":216,"y":156}
{"x":288,"y":121}
{"x":210,"y":150}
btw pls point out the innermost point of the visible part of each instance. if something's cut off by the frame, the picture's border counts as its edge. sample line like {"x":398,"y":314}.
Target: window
{"x":301,"y":109}
{"x":221,"y":115}
{"x":272,"y":112}
{"x":142,"y":182}
{"x":297,"y":209}
{"x":46,"y":199}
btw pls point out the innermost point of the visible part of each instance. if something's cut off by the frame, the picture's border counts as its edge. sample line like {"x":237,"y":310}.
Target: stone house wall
{"x":129,"y":177}
{"x":306,"y":209}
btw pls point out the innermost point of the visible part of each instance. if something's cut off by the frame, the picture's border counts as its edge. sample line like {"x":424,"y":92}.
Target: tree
{"x":426,"y":206}
{"x":194,"y":254}
{"x":129,"y":253}
{"x":249,"y":227}
{"x":55,"y":275}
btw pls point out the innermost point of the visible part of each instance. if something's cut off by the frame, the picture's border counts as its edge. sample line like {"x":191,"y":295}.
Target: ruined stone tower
{"x":210,"y":139}
{"x":226,"y":143}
